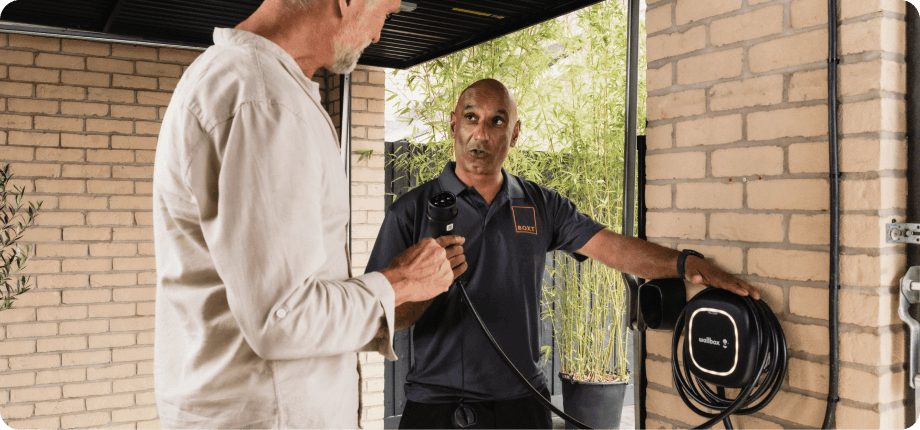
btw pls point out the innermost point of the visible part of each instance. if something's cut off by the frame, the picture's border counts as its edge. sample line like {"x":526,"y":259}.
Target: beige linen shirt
{"x":257,"y":317}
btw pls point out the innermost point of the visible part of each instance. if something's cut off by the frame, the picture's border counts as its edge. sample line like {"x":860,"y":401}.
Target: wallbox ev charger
{"x":730,"y":341}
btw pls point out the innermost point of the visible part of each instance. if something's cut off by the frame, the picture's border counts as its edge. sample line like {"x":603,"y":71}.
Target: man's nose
{"x":479,"y":133}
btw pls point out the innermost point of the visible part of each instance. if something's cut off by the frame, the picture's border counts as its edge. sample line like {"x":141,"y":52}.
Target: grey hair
{"x":310,"y":2}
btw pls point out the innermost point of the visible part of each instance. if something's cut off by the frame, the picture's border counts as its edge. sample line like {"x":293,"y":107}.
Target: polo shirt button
{"x":281,"y":313}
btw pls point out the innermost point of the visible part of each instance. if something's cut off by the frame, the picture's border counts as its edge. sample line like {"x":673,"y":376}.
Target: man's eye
{"x":498,"y":121}
{"x":471,"y":117}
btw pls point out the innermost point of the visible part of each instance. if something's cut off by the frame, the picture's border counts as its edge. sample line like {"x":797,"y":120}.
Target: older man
{"x":258,"y":317}
{"x":509,"y":225}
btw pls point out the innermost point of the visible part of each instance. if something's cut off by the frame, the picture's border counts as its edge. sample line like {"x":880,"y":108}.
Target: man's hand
{"x":426,"y":269}
{"x":455,"y":255}
{"x":699,"y":271}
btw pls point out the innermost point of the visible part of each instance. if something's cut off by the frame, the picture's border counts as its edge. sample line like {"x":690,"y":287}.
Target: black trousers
{"x":522,"y":413}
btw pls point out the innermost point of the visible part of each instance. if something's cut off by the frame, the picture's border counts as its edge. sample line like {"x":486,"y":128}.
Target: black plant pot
{"x":597,"y":404}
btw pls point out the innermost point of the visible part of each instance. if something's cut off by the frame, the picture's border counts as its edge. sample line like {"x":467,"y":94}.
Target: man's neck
{"x":305,"y":34}
{"x":487,"y":185}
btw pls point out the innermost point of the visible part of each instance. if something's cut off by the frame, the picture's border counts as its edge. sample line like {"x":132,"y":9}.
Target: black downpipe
{"x":640,"y":353}
{"x":913,"y":148}
{"x":913,"y":126}
{"x":834,"y":180}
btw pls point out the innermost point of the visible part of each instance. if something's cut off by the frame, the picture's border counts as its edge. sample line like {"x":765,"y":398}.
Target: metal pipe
{"x":92,"y":36}
{"x":345,"y":146}
{"x":913,"y":125}
{"x":629,"y":194}
{"x":632,"y":90}
{"x":912,"y":58}
{"x":834,"y":180}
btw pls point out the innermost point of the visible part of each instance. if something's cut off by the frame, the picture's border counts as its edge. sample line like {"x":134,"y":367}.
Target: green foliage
{"x":569,"y":77}
{"x":364,"y":154}
{"x":11,"y":254}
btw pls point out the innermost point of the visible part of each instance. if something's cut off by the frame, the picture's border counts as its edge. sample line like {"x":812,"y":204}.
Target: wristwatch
{"x":682,"y":259}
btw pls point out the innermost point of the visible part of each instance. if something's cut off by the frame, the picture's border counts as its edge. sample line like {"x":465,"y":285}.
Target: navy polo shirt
{"x":506,"y":246}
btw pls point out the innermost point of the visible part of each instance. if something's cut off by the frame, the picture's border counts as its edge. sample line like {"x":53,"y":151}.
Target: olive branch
{"x":15,"y":222}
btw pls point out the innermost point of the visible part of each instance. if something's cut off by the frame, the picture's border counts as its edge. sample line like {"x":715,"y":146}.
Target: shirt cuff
{"x":383,"y":340}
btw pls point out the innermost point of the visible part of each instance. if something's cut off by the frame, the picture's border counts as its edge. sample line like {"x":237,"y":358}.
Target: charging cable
{"x":771,"y":369}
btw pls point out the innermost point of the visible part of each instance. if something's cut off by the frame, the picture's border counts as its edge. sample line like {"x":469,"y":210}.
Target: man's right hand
{"x":426,"y":269}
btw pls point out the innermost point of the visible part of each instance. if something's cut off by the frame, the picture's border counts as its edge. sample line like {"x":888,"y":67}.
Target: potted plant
{"x":13,"y":224}
{"x":569,"y":77}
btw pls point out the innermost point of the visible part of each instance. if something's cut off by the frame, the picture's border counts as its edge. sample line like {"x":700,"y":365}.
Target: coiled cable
{"x":772,"y":364}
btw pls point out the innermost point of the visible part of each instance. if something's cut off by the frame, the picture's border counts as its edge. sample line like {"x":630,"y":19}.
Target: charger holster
{"x":660,"y":302}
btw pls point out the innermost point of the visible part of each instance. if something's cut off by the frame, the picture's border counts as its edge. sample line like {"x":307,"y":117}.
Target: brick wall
{"x":79,"y":123}
{"x":737,"y":169}
{"x":367,"y":202}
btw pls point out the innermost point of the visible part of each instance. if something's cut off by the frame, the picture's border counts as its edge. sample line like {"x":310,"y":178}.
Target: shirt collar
{"x":234,"y":37}
{"x":450,"y":182}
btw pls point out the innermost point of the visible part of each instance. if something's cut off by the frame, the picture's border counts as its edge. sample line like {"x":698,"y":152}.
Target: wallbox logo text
{"x":710,"y":341}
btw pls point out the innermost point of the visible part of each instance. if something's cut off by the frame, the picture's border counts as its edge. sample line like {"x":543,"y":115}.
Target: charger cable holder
{"x":730,"y":341}
{"x":660,"y":302}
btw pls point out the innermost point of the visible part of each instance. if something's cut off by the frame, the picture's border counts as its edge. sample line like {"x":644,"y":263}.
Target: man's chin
{"x":344,"y":64}
{"x":343,"y":68}
{"x":478,"y":167}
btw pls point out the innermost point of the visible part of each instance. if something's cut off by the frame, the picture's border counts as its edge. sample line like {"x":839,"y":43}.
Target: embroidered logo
{"x":525,"y":219}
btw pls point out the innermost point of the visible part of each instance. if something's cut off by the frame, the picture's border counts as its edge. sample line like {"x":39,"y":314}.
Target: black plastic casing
{"x":442,"y":210}
{"x":721,"y":345}
{"x":661,"y":301}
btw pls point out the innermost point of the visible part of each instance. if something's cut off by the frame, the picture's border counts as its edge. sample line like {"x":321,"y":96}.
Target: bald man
{"x":509,"y":225}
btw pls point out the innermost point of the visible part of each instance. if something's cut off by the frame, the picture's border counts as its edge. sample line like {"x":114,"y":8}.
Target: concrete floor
{"x":627,"y":420}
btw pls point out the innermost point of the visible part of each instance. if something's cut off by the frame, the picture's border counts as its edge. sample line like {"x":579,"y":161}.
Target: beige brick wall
{"x":368,"y":93}
{"x":79,"y":123}
{"x":737,"y":169}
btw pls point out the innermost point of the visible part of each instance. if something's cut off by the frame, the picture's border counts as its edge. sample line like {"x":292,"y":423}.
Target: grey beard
{"x":345,"y":60}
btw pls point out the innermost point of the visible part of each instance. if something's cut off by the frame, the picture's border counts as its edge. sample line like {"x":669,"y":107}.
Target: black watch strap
{"x":682,"y":259}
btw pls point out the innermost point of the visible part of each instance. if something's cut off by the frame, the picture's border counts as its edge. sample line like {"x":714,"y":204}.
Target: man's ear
{"x":453,"y":122}
{"x":515,"y":133}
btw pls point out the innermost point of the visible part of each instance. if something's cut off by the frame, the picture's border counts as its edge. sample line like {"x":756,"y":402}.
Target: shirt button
{"x":281,"y":313}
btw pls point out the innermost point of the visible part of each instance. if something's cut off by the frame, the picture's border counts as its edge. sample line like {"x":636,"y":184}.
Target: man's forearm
{"x":632,"y":255}
{"x":408,"y":313}
{"x":653,"y":261}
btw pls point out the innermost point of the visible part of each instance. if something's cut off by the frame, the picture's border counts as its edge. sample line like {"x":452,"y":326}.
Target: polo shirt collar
{"x":450,"y":182}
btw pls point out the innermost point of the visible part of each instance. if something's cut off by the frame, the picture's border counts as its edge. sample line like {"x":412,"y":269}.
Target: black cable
{"x":533,"y":391}
{"x":462,"y":362}
{"x":771,"y":363}
{"x":833,"y":324}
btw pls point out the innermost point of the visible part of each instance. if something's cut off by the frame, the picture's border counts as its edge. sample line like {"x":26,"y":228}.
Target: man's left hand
{"x":699,"y":271}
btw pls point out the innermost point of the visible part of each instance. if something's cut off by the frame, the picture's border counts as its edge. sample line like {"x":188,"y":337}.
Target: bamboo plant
{"x":14,"y":221}
{"x":569,"y":77}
